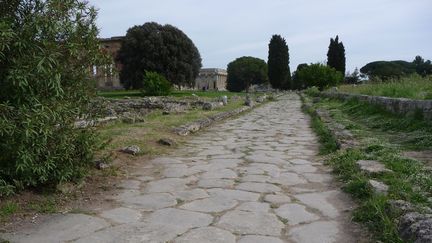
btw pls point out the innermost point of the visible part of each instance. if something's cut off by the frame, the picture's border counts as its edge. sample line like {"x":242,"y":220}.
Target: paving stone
{"x":295,"y":214}
{"x":258,"y":187}
{"x":166,"y":224}
{"x":145,"y":178}
{"x":372,"y":166}
{"x":277,"y":199}
{"x":254,"y":207}
{"x":207,"y":235}
{"x":241,"y":222}
{"x":150,"y":202}
{"x":215,"y":183}
{"x":259,"y":239}
{"x":122,"y":215}
{"x":178,"y":172}
{"x":318,"y":177}
{"x":302,"y":168}
{"x":255,"y":178}
{"x":378,"y":186}
{"x":316,"y":232}
{"x":210,"y":205}
{"x":329,"y":203}
{"x":288,"y":179}
{"x":59,"y":228}
{"x":130,"y":184}
{"x":190,"y":195}
{"x":219,"y":174}
{"x":300,"y":162}
{"x":233,"y":194}
{"x":167,"y":185}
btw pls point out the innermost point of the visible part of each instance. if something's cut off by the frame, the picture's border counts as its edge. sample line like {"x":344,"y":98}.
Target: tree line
{"x":246,"y":71}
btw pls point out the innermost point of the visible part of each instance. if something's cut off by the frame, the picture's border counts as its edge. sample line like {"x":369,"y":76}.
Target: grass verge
{"x":413,"y":87}
{"x":383,"y":136}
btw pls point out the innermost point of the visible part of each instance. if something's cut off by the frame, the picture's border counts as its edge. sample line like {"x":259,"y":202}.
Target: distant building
{"x":107,"y":77}
{"x":211,"y":79}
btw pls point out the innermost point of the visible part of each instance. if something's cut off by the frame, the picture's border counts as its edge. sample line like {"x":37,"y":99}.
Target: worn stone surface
{"x":133,"y":149}
{"x":251,"y":179}
{"x":416,"y":227}
{"x":59,"y":228}
{"x":378,"y":187}
{"x":295,"y":214}
{"x":122,"y":215}
{"x":316,"y":232}
{"x":372,"y":166}
{"x":259,"y":223}
{"x":259,"y":239}
{"x":207,"y":235}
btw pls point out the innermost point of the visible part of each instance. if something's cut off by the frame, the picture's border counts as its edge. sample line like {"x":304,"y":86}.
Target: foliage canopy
{"x":159,"y":48}
{"x":336,"y":55}
{"x":279,"y":73}
{"x":319,"y":75}
{"x":46,"y":49}
{"x":246,"y":71}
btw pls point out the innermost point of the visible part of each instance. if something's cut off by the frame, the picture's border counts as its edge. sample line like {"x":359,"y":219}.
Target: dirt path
{"x":251,"y":179}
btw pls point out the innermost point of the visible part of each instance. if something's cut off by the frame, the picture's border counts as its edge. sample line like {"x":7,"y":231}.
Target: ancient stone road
{"x":252,"y":179}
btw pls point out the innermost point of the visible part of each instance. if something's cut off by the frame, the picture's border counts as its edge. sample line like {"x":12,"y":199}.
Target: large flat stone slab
{"x":233,"y":194}
{"x":254,"y":207}
{"x":259,"y":239}
{"x":167,"y":185}
{"x":150,"y":202}
{"x":60,"y":228}
{"x":329,"y":203}
{"x":258,"y":187}
{"x":258,"y":223}
{"x":316,"y":232}
{"x":122,"y":215}
{"x":207,"y":235}
{"x":372,"y":166}
{"x":210,"y":205}
{"x":190,"y":195}
{"x":295,"y":214}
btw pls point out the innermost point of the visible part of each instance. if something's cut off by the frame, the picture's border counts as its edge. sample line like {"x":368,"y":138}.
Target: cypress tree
{"x":336,"y":55}
{"x":278,"y":63}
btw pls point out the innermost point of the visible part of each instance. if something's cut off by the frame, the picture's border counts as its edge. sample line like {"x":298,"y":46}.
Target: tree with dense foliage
{"x":422,"y":67}
{"x":388,"y":69}
{"x":278,"y":63}
{"x":296,"y":82}
{"x":155,"y":84}
{"x":319,"y":75}
{"x":46,"y":49}
{"x":246,"y":71}
{"x":352,"y":78}
{"x":336,"y":55}
{"x":159,"y":48}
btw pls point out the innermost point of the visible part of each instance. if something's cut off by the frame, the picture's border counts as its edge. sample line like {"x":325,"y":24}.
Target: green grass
{"x":8,"y":209}
{"x":120,"y":94}
{"x":414,"y":87}
{"x":156,"y":126}
{"x":47,"y":205}
{"x":382,"y":137}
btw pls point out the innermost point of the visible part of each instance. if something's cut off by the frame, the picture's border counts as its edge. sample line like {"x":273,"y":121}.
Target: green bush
{"x":319,"y":75}
{"x":156,"y":85}
{"x":46,"y":49}
{"x":312,"y":91}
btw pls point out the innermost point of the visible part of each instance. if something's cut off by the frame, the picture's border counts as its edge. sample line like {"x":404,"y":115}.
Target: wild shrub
{"x":46,"y":50}
{"x":155,"y":84}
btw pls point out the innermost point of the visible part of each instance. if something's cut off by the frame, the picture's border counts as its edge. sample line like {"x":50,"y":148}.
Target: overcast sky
{"x":226,"y":29}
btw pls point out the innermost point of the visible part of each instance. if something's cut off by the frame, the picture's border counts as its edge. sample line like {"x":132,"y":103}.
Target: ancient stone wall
{"x":401,"y":106}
